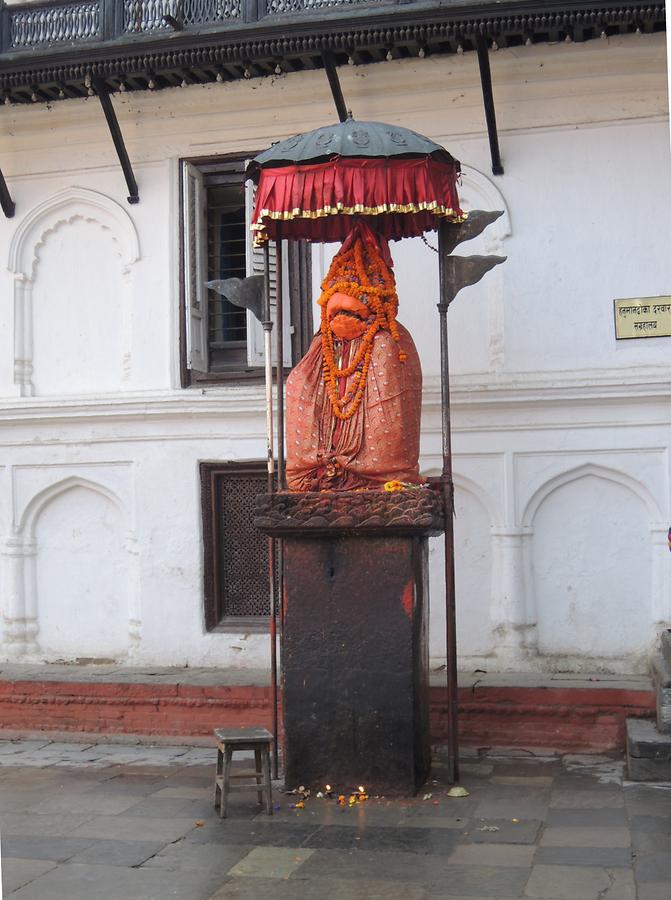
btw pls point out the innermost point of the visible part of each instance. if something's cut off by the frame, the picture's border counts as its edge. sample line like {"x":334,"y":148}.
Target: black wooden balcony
{"x":50,"y":51}
{"x":77,"y":48}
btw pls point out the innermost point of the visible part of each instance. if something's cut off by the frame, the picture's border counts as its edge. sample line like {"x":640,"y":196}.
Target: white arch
{"x":66,"y":206}
{"x":69,"y":205}
{"x":484,"y":497}
{"x":464,"y":483}
{"x":598,"y":471}
{"x":21,"y":635}
{"x":477,"y":191}
{"x":43,"y":498}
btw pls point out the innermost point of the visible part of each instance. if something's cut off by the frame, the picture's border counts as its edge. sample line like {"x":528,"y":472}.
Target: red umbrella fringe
{"x":397,"y":197}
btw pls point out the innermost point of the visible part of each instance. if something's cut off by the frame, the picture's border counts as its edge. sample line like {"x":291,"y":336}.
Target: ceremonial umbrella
{"x":312,"y":187}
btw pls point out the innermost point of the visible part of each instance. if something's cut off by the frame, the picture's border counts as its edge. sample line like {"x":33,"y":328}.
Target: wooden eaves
{"x":257,"y":37}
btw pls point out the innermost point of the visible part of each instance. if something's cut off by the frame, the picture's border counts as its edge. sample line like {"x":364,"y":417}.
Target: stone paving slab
{"x":48,"y":825}
{"x":502,"y":831}
{"x":648,"y":800}
{"x":130,"y":828}
{"x":271,"y":862}
{"x":578,"y":883}
{"x":586,"y":836}
{"x":55,"y":848}
{"x":128,"y":854}
{"x":580,"y":799}
{"x":410,"y":868}
{"x":97,"y":882}
{"x":522,"y":807}
{"x":92,"y":803}
{"x":601,"y":818}
{"x":493,"y":855}
{"x":232,"y":832}
{"x":436,"y":842}
{"x":131,"y":824}
{"x":184,"y":856}
{"x":604,"y":857}
{"x":18,"y":872}
{"x":655,"y":867}
{"x":322,"y":889}
{"x":659,"y":891}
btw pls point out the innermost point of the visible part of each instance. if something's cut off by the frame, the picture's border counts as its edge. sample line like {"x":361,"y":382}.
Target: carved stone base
{"x":412,"y":511}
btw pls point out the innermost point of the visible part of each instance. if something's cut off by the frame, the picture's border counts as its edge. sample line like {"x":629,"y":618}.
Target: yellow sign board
{"x":643,"y":317}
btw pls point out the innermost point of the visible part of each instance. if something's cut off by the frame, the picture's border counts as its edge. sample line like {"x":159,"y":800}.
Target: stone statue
{"x":354,"y":400}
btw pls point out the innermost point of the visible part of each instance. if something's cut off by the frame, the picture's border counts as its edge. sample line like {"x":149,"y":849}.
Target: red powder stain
{"x":408,"y":599}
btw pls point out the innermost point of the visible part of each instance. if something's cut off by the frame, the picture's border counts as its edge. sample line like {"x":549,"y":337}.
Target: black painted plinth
{"x":355,"y":652}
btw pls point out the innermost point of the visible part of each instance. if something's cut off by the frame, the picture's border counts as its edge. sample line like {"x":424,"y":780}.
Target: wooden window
{"x":220,"y":340}
{"x":235,"y":553}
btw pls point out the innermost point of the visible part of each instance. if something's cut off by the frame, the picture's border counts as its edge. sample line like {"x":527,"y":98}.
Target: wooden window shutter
{"x":194,"y":213}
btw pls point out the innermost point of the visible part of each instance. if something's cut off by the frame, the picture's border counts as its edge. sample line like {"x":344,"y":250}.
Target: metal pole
{"x":281,"y":480}
{"x":280,"y":361}
{"x":448,"y":495}
{"x":270,"y":455}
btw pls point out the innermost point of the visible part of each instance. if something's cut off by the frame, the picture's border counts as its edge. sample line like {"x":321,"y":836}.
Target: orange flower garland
{"x":359,"y":271}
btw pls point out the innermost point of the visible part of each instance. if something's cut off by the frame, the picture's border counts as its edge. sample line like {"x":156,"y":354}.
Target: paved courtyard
{"x":120,"y":822}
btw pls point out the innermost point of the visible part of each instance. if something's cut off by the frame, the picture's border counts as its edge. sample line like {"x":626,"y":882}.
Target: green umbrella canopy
{"x":350,"y":138}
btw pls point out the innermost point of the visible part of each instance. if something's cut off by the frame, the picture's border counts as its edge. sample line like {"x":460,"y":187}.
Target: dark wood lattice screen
{"x":236,"y":554}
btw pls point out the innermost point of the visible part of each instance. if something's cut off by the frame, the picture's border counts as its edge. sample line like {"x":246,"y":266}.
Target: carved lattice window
{"x":236,"y":554}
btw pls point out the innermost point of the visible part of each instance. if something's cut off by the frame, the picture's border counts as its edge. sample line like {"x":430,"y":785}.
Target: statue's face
{"x":347,"y":316}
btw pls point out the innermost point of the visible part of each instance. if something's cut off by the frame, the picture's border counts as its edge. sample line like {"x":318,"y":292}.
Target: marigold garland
{"x":361,"y":272}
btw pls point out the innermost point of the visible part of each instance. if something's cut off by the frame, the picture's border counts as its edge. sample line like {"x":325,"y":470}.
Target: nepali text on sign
{"x":643,"y":317}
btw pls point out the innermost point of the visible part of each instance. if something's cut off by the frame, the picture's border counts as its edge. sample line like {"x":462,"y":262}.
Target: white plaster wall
{"x":559,"y":430}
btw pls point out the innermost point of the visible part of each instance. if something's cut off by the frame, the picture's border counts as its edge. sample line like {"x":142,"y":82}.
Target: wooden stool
{"x":230,"y":739}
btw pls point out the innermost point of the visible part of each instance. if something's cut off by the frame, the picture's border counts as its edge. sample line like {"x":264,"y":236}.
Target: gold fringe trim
{"x":359,"y":209}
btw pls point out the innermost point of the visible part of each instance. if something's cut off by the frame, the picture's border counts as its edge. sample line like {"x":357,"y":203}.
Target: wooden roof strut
{"x":488,"y":98}
{"x":334,"y":84}
{"x":8,"y":205}
{"x":103,"y":93}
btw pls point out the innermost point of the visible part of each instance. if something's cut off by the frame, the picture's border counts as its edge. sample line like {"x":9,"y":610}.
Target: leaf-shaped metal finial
{"x":474,"y":225}
{"x":244,"y":292}
{"x":463,"y":271}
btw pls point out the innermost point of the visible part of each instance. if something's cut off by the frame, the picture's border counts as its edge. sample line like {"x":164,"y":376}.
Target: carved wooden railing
{"x":83,"y":21}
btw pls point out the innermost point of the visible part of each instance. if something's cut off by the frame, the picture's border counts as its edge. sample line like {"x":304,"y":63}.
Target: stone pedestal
{"x":649,"y":743}
{"x":355,"y":644}
{"x":648,"y":751}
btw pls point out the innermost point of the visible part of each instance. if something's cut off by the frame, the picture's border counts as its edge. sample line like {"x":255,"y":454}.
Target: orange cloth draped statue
{"x":354,"y":400}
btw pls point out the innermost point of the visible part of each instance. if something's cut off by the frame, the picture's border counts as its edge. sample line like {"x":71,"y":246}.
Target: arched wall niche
{"x":592,"y":566}
{"x":91,"y":547}
{"x":81,"y":576}
{"x":66,"y":208}
{"x":33,"y":510}
{"x":66,"y":205}
{"x":598,"y":471}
